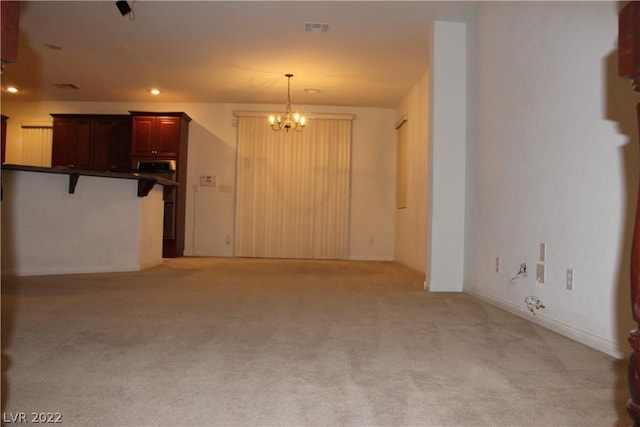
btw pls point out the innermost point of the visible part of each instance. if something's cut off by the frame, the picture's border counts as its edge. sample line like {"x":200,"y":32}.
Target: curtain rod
{"x":36,"y":125}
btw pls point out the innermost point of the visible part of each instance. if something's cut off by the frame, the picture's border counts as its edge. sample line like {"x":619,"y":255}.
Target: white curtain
{"x":293,"y":188}
{"x":36,"y":145}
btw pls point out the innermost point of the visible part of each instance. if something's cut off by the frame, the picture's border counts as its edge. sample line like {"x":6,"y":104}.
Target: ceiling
{"x":225,"y":51}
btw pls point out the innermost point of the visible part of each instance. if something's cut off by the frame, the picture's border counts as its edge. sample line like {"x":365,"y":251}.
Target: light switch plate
{"x":540,"y":273}
{"x":207,"y":181}
{"x":570,"y":278}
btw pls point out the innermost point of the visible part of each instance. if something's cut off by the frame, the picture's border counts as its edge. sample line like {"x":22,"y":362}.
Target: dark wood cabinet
{"x":9,"y":30}
{"x":164,"y":136}
{"x":92,"y":142}
{"x":157,"y":137}
{"x":3,"y":136}
{"x":629,"y":67}
{"x":112,"y":145}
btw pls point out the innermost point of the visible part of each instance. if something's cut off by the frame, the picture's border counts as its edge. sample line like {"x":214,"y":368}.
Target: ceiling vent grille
{"x":316,"y":27}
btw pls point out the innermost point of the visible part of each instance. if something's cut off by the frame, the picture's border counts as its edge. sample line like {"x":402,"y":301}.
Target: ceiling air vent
{"x":66,"y":86}
{"x":316,"y":27}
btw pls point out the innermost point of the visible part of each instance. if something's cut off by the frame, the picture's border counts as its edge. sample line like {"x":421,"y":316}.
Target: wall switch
{"x":570,"y":278}
{"x":497,"y":264}
{"x":540,"y":273}
{"x":207,"y":181}
{"x":543,"y":252}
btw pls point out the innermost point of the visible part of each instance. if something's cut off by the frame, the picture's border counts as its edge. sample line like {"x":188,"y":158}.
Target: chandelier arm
{"x":290,"y":120}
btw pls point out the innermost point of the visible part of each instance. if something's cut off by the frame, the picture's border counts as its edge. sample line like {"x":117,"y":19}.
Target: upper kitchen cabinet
{"x":112,"y":144}
{"x":10,"y":30}
{"x":4,"y":136}
{"x":159,"y":135}
{"x":92,"y":142}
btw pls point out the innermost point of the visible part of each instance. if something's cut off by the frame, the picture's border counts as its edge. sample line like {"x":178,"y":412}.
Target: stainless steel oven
{"x":163,"y":169}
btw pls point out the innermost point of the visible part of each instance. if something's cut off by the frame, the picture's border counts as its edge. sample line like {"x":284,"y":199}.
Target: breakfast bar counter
{"x":62,"y":221}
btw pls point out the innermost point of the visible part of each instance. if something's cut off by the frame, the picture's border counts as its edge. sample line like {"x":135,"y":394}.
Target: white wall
{"x":104,"y":226}
{"x":212,"y":151}
{"x":411,"y":230}
{"x":552,"y":158}
{"x":448,"y":140}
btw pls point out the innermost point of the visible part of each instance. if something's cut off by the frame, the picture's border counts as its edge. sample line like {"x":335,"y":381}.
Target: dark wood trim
{"x":145,"y":183}
{"x":3,"y":138}
{"x":73,"y":181}
{"x":180,"y":114}
{"x":629,"y":67}
{"x":629,"y":43}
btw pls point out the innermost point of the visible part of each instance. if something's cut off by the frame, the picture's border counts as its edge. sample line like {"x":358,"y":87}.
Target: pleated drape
{"x":37,"y":145}
{"x":293,"y":188}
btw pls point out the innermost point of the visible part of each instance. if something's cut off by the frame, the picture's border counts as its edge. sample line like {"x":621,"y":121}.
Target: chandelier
{"x":290,"y":120}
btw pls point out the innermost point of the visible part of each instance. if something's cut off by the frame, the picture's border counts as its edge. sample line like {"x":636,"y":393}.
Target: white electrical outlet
{"x":570,"y":278}
{"x":540,"y":273}
{"x":497,"y":264}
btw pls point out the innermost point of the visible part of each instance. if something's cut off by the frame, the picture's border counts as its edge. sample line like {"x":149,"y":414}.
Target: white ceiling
{"x":225,"y":51}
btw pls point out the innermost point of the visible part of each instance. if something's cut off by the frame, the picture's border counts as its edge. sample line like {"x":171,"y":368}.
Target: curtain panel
{"x":37,"y":145}
{"x":293,"y":189}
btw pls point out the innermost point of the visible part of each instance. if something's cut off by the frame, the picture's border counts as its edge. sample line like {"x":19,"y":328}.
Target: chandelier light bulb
{"x":291,"y":120}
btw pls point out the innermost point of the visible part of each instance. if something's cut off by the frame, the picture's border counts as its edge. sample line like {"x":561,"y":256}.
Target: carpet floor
{"x":251,"y":342}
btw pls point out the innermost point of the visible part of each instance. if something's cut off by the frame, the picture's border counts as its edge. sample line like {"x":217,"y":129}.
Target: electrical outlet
{"x":540,"y":273}
{"x":497,"y":264}
{"x":570,"y":278}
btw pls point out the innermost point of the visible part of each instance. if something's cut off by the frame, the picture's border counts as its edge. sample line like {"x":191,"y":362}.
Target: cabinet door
{"x":3,"y":137}
{"x":168,"y":139}
{"x":120,"y":152}
{"x":83,"y":150}
{"x":112,"y":145}
{"x":62,"y":145}
{"x":103,"y":135}
{"x":143,"y":136}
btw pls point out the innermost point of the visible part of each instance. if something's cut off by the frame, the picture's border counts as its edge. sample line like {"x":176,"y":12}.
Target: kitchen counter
{"x":61,"y":221}
{"x":145,"y":182}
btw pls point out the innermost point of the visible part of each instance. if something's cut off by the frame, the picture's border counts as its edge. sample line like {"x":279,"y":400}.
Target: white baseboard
{"x":599,"y":343}
{"x":73,"y":270}
{"x":370,"y":258}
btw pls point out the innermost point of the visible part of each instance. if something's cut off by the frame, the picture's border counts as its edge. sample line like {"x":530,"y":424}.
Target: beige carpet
{"x":245,"y":342}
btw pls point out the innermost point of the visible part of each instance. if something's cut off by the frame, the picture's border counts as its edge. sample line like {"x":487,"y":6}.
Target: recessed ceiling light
{"x":154,"y":91}
{"x":12,"y":89}
{"x":313,"y":90}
